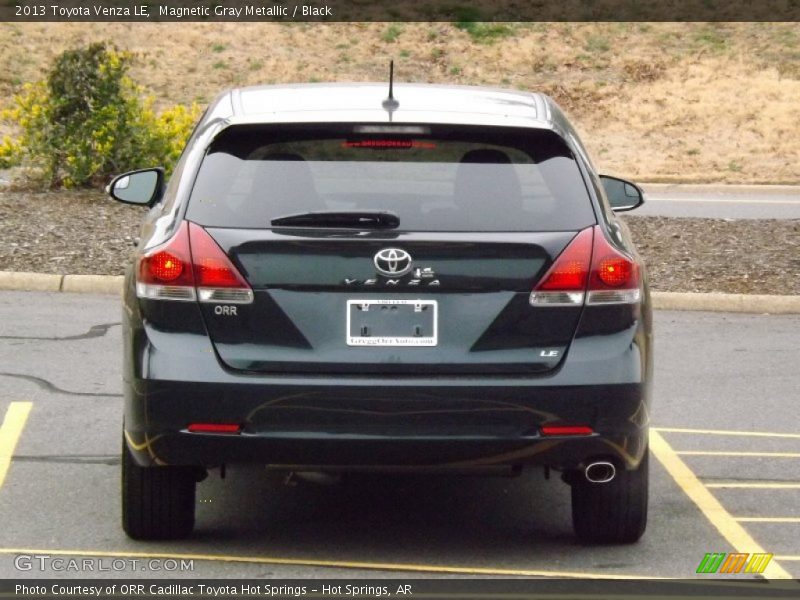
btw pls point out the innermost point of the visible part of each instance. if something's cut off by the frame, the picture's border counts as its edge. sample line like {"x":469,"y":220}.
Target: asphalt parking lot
{"x":725,"y":471}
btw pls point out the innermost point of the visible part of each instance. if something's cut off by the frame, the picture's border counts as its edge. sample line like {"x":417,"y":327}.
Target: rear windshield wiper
{"x":361,"y":219}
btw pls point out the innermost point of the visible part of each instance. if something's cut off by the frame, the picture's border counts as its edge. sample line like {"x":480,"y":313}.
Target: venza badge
{"x":392,"y":262}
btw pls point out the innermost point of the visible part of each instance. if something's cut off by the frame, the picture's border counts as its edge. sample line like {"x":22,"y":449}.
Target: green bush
{"x":468,"y":19}
{"x":88,"y":120}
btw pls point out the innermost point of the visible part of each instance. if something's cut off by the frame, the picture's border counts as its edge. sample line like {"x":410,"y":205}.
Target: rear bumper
{"x":335,"y":421}
{"x":343,"y":423}
{"x":310,"y":451}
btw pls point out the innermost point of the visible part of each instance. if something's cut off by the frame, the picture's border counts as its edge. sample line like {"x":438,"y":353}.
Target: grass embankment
{"x":656,"y":102}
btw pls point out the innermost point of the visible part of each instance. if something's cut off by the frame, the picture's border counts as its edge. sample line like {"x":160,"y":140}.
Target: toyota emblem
{"x":392,"y":262}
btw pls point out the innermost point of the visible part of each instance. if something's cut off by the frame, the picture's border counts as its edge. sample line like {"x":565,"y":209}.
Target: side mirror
{"x":143,"y":187}
{"x":622,"y":195}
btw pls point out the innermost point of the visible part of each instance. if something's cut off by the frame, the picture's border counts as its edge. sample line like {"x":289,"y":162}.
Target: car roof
{"x":363,"y":102}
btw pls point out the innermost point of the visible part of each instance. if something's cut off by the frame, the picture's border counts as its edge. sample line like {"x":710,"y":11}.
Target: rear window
{"x":434,"y":178}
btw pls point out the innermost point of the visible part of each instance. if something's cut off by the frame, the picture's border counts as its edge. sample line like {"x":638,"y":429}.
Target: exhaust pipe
{"x":600,"y":472}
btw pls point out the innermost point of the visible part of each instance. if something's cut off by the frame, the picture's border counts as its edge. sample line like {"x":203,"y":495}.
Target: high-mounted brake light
{"x":191,"y":266}
{"x":399,"y":144}
{"x":589,"y":268}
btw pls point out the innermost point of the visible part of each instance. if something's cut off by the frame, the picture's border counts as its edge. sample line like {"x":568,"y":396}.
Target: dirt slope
{"x":656,"y":102}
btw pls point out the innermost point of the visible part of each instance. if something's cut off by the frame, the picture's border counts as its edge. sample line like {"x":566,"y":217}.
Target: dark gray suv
{"x":334,"y":282}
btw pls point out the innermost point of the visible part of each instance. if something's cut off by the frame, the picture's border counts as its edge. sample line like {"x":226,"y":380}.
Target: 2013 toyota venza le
{"x":333,"y":280}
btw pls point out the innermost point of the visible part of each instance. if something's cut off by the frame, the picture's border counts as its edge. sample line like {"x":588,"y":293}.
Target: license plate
{"x":391,"y":322}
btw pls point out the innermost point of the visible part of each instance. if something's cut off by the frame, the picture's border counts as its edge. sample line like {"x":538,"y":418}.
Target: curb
{"x":92,"y":284}
{"x":717,"y":302}
{"x":723,"y":188}
{"x":44,"y":282}
{"x":712,"y":302}
{"x":35,"y":282}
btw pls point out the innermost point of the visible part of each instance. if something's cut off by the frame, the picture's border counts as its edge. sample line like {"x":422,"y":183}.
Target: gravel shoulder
{"x":80,"y":232}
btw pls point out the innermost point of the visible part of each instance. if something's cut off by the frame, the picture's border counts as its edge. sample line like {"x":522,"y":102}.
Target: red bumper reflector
{"x":567,"y":430}
{"x":214,"y":428}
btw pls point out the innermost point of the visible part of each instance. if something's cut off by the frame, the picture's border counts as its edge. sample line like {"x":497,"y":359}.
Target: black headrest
{"x":286,"y":156}
{"x":486,"y":155}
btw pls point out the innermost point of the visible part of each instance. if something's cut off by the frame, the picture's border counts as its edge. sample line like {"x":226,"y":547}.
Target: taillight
{"x":589,"y":268}
{"x":564,"y":284}
{"x":166,"y":271}
{"x":216,"y":278}
{"x":165,"y":266}
{"x":190,"y":266}
{"x":615,"y":277}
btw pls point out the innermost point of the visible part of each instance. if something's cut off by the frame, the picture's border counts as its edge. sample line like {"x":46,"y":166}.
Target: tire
{"x":157,"y":502}
{"x":613,"y":512}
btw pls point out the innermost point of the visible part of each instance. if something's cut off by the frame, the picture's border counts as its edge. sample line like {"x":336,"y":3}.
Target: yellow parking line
{"x":328,"y":563}
{"x":728,"y":432}
{"x":709,"y":505}
{"x":768,"y":519}
{"x":756,"y":486}
{"x":728,"y":453}
{"x":13,"y":423}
